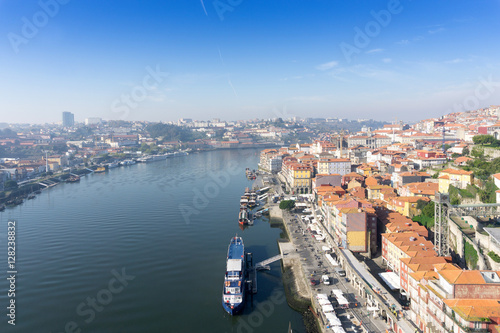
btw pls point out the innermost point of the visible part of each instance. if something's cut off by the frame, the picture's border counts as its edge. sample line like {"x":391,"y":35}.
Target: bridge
{"x":265,"y":263}
{"x":476,"y":210}
{"x":442,"y":212}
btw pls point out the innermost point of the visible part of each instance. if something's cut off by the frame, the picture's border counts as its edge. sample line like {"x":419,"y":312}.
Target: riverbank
{"x":26,"y":190}
{"x":297,"y":291}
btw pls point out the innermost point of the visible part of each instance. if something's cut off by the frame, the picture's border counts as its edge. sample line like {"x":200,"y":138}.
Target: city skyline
{"x":243,"y":60}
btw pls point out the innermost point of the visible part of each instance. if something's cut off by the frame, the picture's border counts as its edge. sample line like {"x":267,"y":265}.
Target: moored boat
{"x":100,"y":169}
{"x":243,"y":217}
{"x":233,"y":293}
{"x":127,"y":162}
{"x":252,"y":200}
{"x":73,"y":179}
{"x":244,"y":201}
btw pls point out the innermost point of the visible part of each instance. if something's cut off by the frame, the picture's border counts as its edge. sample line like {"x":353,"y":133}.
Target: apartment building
{"x":341,"y":166}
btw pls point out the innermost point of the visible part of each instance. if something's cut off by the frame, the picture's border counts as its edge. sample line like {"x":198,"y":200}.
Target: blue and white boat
{"x":233,"y":294}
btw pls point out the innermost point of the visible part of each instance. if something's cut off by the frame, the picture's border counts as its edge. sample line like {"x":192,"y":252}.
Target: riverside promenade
{"x":380,"y":302}
{"x":305,"y":256}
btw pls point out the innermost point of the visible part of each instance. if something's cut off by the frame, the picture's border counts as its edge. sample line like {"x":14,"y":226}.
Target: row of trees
{"x":172,"y":132}
{"x":486,"y":140}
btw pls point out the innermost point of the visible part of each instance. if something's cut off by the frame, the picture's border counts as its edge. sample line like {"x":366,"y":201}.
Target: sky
{"x":244,"y":59}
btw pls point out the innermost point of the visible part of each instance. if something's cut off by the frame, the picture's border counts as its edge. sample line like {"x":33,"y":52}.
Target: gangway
{"x":265,"y":263}
{"x":262,"y":197}
{"x":262,"y":190}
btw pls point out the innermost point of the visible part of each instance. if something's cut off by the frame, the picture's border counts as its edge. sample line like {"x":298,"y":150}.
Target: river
{"x":140,"y":248}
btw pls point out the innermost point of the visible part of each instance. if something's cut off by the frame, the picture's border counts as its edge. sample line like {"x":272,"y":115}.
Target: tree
{"x":421,"y":203}
{"x":428,"y":210}
{"x":465,"y":151}
{"x":483,"y":139}
{"x":477,"y":152}
{"x":10,"y":184}
{"x":287,"y":204}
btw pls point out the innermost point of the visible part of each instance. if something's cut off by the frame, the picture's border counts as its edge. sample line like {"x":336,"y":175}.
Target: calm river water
{"x":140,"y":249}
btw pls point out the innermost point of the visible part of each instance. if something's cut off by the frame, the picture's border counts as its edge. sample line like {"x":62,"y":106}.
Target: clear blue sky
{"x":243,"y":59}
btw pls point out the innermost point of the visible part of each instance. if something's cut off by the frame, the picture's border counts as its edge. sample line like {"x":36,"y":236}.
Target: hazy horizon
{"x":161,"y":61}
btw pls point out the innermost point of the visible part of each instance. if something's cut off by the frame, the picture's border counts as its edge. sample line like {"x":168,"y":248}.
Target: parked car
{"x":314,"y":282}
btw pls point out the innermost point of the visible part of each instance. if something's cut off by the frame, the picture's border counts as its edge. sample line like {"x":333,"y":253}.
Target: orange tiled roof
{"x":456,"y":172}
{"x":474,"y":309}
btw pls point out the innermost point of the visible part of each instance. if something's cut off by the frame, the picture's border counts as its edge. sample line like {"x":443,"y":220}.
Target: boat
{"x":143,"y":159}
{"x":113,"y":165}
{"x":243,"y":216}
{"x":252,"y":200}
{"x":244,"y":200}
{"x":233,"y":291}
{"x":127,"y":162}
{"x":73,"y":179}
{"x":100,"y":169}
{"x":155,"y":158}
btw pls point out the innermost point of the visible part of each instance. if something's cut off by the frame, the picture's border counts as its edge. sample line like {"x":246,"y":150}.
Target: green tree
{"x":428,"y":210}
{"x":477,"y":152}
{"x":287,"y":204}
{"x":483,"y":139}
{"x":465,"y":151}
{"x":421,"y":204}
{"x":10,"y":184}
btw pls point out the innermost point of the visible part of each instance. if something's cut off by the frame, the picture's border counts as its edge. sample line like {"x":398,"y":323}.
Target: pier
{"x":252,"y":274}
{"x":252,"y":269}
{"x":265,"y":263}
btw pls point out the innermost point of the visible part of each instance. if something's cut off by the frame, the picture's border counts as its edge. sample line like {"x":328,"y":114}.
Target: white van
{"x":325,"y":279}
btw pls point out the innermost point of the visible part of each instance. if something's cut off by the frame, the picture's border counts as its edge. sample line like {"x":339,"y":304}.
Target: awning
{"x":337,"y":292}
{"x":325,"y":248}
{"x":322,"y":296}
{"x":332,"y":319}
{"x":331,"y":260}
{"x":342,"y":300}
{"x":338,"y":329}
{"x":327,"y":308}
{"x":391,"y":279}
{"x":323,"y":301}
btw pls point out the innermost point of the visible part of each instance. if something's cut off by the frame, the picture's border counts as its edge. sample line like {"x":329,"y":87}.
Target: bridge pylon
{"x":441,"y":216}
